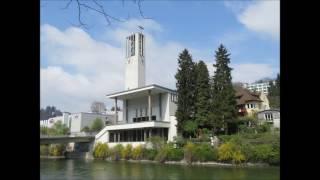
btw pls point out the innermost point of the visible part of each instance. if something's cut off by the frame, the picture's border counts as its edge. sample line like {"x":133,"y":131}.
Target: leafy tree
{"x":223,"y":95}
{"x":86,"y":129}
{"x":190,"y":128}
{"x":113,"y":109}
{"x":97,"y":125}
{"x":185,"y":89}
{"x":202,"y":95}
{"x":60,"y":129}
{"x":49,"y":112}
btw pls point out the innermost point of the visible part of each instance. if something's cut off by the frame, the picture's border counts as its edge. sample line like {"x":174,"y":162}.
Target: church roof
{"x":141,"y":91}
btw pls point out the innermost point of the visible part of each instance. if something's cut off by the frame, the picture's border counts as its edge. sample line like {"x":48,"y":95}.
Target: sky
{"x":80,"y":65}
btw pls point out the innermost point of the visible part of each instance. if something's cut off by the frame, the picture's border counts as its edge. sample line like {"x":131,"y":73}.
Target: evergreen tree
{"x":223,"y":110}
{"x":202,"y":95}
{"x":185,"y":90}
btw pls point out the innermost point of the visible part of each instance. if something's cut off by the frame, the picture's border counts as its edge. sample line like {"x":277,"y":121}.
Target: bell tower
{"x":135,"y":61}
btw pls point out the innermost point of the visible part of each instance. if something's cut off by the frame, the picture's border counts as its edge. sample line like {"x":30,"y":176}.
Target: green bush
{"x":44,"y":150}
{"x":264,"y":128}
{"x":157,"y":142}
{"x":180,"y":141}
{"x":150,"y":154}
{"x":56,"y":149}
{"x":116,"y":152}
{"x":230,"y":152}
{"x":204,"y":152}
{"x":189,"y":152}
{"x":137,"y":152}
{"x":175,"y":154}
{"x":267,"y":153}
{"x":127,"y":152}
{"x":163,"y":154}
{"x":101,"y":151}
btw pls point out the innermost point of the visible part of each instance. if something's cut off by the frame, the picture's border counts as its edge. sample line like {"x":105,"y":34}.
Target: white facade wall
{"x":80,"y":120}
{"x":173,"y":128}
{"x":168,"y":115}
{"x":259,"y":87}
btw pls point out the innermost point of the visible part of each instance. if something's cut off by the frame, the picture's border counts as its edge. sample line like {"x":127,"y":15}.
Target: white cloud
{"x":248,"y":72}
{"x":259,"y":16}
{"x":81,"y":69}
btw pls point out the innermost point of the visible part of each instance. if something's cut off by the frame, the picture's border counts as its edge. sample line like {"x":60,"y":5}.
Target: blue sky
{"x":90,"y":62}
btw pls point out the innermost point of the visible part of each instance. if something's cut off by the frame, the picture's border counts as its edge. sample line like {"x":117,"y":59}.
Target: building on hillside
{"x":258,"y":87}
{"x":271,"y":116}
{"x":51,"y":121}
{"x":77,"y":121}
{"x":249,"y":102}
{"x":147,"y":110}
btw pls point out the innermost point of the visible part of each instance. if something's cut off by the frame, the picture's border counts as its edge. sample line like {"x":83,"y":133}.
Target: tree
{"x":202,"y":95}
{"x":86,"y":129}
{"x":60,"y":129}
{"x":185,"y":90}
{"x":49,"y":112}
{"x":98,"y":7}
{"x":118,"y":108}
{"x":97,"y":125}
{"x":190,"y":128}
{"x":224,"y":104}
{"x":98,"y":107}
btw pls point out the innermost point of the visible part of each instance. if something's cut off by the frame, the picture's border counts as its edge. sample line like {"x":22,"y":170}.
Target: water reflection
{"x":103,"y":170}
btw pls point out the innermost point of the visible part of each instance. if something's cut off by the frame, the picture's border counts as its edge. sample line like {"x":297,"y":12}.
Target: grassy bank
{"x":239,"y":149}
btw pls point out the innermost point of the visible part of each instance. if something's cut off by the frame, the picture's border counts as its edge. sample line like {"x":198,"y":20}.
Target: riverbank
{"x":52,"y":157}
{"x":198,"y":163}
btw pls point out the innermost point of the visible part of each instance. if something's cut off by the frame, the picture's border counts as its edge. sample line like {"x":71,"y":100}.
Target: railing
{"x":81,"y":134}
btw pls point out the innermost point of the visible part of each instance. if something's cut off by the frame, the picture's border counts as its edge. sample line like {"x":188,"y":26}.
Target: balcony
{"x":144,"y":118}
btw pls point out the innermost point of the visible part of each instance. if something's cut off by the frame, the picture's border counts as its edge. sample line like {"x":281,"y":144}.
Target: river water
{"x":71,"y":169}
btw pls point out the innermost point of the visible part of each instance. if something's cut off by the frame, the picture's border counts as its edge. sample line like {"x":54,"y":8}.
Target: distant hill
{"x":49,"y":112}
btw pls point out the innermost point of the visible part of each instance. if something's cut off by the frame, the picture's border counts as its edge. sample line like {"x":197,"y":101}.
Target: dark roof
{"x":244,"y":95}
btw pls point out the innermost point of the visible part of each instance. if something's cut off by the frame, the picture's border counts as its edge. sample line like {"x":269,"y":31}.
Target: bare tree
{"x":98,"y":107}
{"x":97,"y":6}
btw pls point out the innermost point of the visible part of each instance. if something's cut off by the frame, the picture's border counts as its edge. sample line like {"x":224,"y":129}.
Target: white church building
{"x":148,"y":110}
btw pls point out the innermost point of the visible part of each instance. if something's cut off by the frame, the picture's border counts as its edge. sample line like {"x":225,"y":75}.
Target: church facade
{"x":148,"y":110}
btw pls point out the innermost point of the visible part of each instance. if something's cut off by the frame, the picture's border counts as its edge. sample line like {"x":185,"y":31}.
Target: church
{"x":148,"y":110}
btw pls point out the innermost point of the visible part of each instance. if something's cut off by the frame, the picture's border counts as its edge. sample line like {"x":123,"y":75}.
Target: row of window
{"x":268,"y":116}
{"x":251,"y":106}
{"x":137,"y":135}
{"x":174,"y":98}
{"x":141,"y":45}
{"x":145,"y":118}
{"x":131,"y":45}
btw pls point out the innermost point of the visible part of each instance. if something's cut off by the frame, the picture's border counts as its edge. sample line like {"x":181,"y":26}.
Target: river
{"x":72,"y":169}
